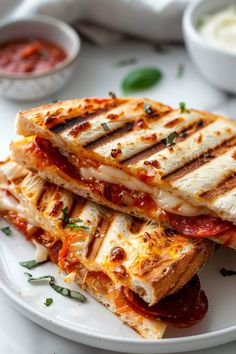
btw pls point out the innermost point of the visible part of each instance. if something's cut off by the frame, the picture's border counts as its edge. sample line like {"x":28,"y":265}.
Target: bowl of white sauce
{"x":209,"y":28}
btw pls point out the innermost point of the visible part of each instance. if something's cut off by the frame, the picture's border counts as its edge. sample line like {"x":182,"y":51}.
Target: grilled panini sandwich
{"x":144,"y":273}
{"x":140,"y":157}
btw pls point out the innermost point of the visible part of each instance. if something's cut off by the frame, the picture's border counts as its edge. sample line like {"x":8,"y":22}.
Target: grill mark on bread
{"x":56,"y":208}
{"x":183,"y":134}
{"x":99,"y":235}
{"x":226,"y":185}
{"x":41,"y":195}
{"x":206,"y":157}
{"x":111,"y":135}
{"x":18,"y":180}
{"x":85,"y":117}
{"x":77,"y":206}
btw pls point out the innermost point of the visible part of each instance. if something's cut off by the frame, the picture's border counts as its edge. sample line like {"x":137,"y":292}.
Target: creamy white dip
{"x":220,"y":29}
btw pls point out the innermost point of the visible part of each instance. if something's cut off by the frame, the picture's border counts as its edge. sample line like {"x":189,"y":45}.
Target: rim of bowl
{"x":192,"y":31}
{"x":72,"y":55}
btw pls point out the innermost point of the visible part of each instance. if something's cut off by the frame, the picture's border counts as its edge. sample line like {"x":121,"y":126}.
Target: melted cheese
{"x":9,"y":203}
{"x":163,"y":199}
{"x":176,"y":205}
{"x":41,"y":252}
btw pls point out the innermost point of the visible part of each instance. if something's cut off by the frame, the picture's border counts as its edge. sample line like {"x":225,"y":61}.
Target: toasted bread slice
{"x":188,"y":153}
{"x":151,"y":260}
{"x":95,"y":283}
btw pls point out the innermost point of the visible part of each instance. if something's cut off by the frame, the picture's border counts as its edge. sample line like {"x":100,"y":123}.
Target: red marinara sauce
{"x":30,"y":56}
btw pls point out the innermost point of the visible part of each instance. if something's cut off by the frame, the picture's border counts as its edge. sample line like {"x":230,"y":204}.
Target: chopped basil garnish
{"x":31,"y":264}
{"x":6,"y":230}
{"x":227,"y":272}
{"x":141,"y":79}
{"x":55,"y":100}
{"x":148,"y":108}
{"x":180,"y":71}
{"x":48,"y":301}
{"x":170,"y":139}
{"x":70,"y":222}
{"x":76,"y":226}
{"x":59,"y":289}
{"x":183,"y":108}
{"x":105,"y":126}
{"x":65,"y":218}
{"x":112,"y":94}
{"x":124,"y":62}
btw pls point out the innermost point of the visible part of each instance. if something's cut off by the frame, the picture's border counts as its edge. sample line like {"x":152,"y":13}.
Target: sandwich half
{"x":144,"y":273}
{"x":140,"y":157}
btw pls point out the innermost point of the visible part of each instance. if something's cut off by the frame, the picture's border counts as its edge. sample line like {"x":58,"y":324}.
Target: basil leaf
{"x":43,"y":277}
{"x":69,"y":293}
{"x":183,"y":108}
{"x":65,"y":218}
{"x":6,"y":230}
{"x":170,"y":139}
{"x":180,"y":71}
{"x":227,"y":272}
{"x":31,"y":264}
{"x":148,"y":108}
{"x":55,"y":100}
{"x":124,"y":62}
{"x":48,"y":301}
{"x":59,"y":289}
{"x":141,"y":79}
{"x":105,"y":126}
{"x":76,"y":226}
{"x":70,"y":222}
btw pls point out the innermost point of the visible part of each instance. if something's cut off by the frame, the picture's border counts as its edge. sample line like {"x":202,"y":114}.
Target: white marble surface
{"x":96,"y":76}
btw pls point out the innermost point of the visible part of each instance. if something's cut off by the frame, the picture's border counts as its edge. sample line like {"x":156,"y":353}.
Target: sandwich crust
{"x":151,"y":260}
{"x":197,"y":164}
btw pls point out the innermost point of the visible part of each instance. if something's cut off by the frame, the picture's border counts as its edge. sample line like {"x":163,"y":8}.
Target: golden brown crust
{"x":130,"y":134}
{"x":151,"y":260}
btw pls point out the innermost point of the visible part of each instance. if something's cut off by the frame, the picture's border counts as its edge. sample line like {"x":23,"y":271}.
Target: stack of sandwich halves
{"x":128,"y":197}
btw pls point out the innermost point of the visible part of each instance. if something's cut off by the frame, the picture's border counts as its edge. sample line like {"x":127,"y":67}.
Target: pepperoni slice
{"x":198,"y":226}
{"x":182,"y":309}
{"x":198,"y":313}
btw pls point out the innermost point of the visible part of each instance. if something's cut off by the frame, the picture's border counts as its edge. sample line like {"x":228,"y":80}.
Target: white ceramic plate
{"x":91,"y":323}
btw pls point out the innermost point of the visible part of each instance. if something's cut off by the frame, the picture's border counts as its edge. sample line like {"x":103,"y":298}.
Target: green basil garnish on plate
{"x":59,"y":289}
{"x":31,"y":264}
{"x":6,"y":230}
{"x":180,"y":71}
{"x":48,"y":301}
{"x":125,"y":62}
{"x":227,"y":272}
{"x":141,"y":79}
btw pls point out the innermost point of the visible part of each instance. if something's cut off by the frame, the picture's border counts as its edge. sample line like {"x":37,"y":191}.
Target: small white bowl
{"x":216,"y":65}
{"x":34,"y":86}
